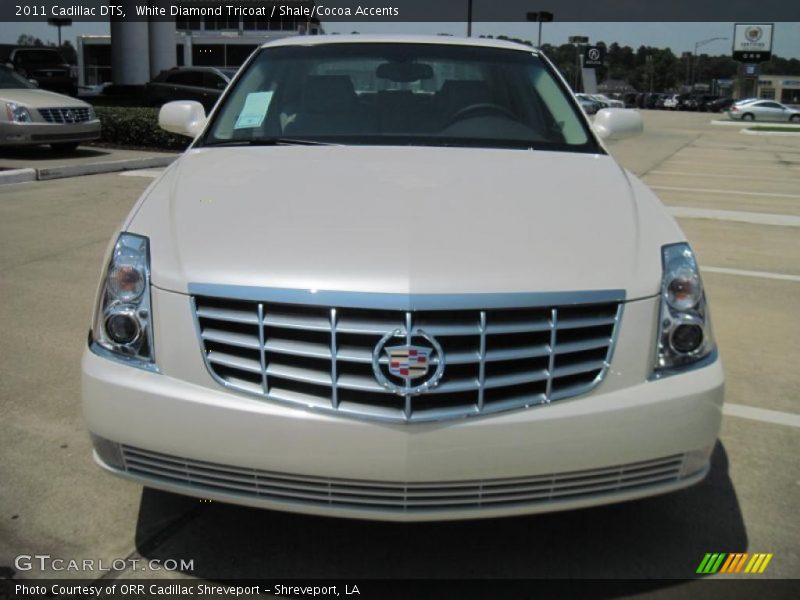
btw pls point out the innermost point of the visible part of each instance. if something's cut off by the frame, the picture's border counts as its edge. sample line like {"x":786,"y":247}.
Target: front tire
{"x":65,"y":146}
{"x":794,"y":119}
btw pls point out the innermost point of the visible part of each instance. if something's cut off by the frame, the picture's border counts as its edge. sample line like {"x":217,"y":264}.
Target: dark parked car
{"x":720,"y":104}
{"x":630,"y":100}
{"x":705,"y":100}
{"x":47,"y":67}
{"x":203,"y":84}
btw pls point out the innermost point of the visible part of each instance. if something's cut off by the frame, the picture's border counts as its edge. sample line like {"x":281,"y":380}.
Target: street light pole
{"x":540,"y":17}
{"x":469,"y":18}
{"x":698,"y":45}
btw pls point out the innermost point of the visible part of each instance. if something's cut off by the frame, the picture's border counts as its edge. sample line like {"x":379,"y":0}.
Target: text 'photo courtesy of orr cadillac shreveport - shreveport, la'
{"x":494,"y":318}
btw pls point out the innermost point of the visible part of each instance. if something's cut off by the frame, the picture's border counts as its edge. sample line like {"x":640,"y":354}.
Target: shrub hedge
{"x":138,"y":127}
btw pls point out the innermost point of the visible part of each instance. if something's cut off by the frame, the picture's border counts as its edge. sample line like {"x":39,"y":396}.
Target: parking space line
{"x":722,"y":176}
{"x":142,"y":173}
{"x":764,"y":415}
{"x":669,"y":188}
{"x":734,"y":165}
{"x":688,"y":212}
{"x":759,"y":274}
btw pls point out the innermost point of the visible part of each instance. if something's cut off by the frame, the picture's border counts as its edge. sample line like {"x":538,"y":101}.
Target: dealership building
{"x":137,"y":51}
{"x":783,"y":88}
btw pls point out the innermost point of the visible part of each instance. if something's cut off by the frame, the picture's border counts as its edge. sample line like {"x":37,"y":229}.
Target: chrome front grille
{"x":65,"y":115}
{"x":321,"y":356}
{"x":399,"y":496}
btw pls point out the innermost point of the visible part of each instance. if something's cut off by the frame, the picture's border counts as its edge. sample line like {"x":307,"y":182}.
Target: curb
{"x":778,"y":133}
{"x":111,"y":166}
{"x":17,"y":176}
{"x":730,"y":123}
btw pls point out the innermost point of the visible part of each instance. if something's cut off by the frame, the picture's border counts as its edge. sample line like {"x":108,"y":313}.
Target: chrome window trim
{"x":464,"y":301}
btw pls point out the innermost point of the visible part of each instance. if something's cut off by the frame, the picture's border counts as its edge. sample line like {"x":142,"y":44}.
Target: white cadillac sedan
{"x":30,"y":116}
{"x":401,"y":278}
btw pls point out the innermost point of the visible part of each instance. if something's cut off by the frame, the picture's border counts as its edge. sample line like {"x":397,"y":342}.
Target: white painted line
{"x":142,"y":173}
{"x":669,"y":188}
{"x":687,"y":212}
{"x":721,"y":176}
{"x":740,"y":165}
{"x":759,"y":274}
{"x":764,"y":415}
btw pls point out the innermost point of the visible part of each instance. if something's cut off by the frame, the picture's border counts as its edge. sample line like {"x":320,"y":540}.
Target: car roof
{"x":444,"y":40}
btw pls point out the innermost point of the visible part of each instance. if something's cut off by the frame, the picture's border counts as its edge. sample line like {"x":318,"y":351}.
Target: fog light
{"x":122,"y":326}
{"x":686,"y":338}
{"x":107,"y":451}
{"x":696,"y":461}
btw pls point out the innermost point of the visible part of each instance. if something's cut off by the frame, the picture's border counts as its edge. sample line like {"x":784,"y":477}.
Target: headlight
{"x":684,"y":327}
{"x":17,"y":113}
{"x":123,"y":325}
{"x":92,"y":114}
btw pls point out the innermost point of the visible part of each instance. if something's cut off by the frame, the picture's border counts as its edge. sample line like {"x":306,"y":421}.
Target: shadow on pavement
{"x":660,"y":537}
{"x":44,"y":153}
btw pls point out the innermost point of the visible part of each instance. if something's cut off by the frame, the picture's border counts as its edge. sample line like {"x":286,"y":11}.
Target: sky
{"x":680,"y":37}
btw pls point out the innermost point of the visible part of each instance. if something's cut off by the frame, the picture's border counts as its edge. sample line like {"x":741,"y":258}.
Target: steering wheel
{"x":467,"y":112}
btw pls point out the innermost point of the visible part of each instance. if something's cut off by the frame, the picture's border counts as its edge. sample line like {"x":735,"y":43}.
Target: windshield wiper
{"x":273,"y":141}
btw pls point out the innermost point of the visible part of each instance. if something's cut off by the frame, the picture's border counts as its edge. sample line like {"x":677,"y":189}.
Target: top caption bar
{"x":402,"y":10}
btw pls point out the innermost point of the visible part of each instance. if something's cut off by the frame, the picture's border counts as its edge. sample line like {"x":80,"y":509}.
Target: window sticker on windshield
{"x":254,"y":110}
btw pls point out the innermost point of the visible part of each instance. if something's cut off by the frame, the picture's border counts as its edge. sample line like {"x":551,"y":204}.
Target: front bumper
{"x":23,"y":134}
{"x":627,"y":439}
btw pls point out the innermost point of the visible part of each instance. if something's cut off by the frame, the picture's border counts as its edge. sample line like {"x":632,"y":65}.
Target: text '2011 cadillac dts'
{"x":401,"y":278}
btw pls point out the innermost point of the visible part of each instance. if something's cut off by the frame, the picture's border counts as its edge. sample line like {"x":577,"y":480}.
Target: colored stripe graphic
{"x":721,"y":562}
{"x":711,"y":563}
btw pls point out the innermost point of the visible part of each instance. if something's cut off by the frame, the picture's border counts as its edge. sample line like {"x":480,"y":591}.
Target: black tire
{"x":748,"y":117}
{"x":65,"y":146}
{"x":794,"y":119}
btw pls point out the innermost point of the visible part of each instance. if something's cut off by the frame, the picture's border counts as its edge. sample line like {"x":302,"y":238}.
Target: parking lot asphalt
{"x":53,"y":500}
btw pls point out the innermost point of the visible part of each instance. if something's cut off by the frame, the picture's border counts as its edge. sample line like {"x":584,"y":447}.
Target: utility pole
{"x":59,"y":23}
{"x":577,"y":40}
{"x":540,"y":17}
{"x":469,"y":18}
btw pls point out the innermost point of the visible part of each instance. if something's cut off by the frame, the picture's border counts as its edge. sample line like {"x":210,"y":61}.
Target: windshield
{"x":11,"y":81}
{"x":401,"y":94}
{"x":39,"y":57}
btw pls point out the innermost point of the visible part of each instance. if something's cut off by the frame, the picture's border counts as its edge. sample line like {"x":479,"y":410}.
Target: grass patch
{"x":784,"y":128}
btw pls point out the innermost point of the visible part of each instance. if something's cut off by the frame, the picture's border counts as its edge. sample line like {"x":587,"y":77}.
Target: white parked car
{"x":589,"y":106}
{"x":30,"y":116}
{"x":609,"y":102}
{"x":671,"y":102}
{"x":764,"y":110}
{"x":401,"y":278}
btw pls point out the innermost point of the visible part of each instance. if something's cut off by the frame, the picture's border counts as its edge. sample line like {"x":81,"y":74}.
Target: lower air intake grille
{"x":401,"y":497}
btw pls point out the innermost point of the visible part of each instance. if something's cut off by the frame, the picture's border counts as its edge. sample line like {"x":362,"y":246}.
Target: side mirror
{"x":618,"y":123}
{"x":184,"y":117}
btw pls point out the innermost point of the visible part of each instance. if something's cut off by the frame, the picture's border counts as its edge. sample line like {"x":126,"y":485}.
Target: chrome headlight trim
{"x":130,"y":249}
{"x":679,"y":259}
{"x":17,"y":113}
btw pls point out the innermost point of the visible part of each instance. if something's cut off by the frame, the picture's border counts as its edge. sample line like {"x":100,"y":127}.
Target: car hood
{"x":39,"y":98}
{"x":403,"y":220}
